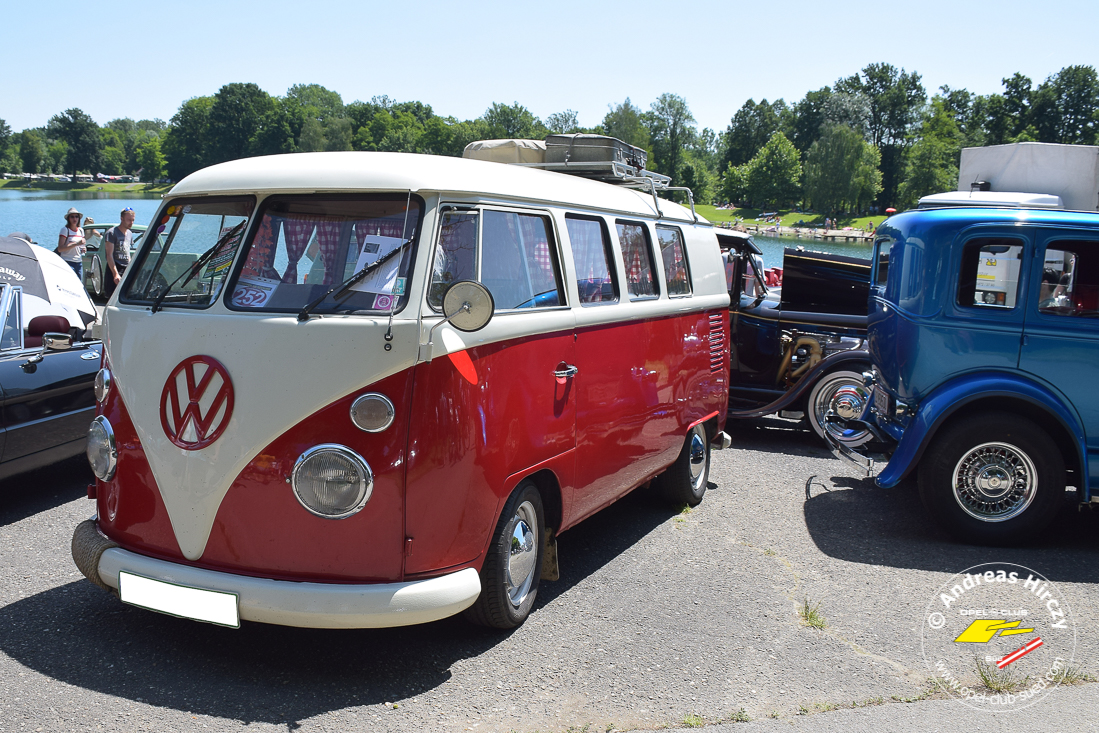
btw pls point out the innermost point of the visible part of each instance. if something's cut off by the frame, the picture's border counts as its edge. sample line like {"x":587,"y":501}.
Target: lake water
{"x":41,"y":214}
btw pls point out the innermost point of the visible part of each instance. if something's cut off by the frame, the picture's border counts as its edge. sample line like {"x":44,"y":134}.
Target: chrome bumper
{"x":309,"y":605}
{"x":867,"y":465}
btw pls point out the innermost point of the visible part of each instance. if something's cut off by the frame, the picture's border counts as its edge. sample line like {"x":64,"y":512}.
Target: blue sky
{"x":142,"y":59}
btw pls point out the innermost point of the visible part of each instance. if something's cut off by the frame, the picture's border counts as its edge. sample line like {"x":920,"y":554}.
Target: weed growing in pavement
{"x":811,"y":614}
{"x":769,"y":552}
{"x":802,"y":710}
{"x":609,"y":728}
{"x":740,"y":716}
{"x":1071,"y":676}
{"x":682,"y":516}
{"x":773,"y":714}
{"x":693,"y":721}
{"x":999,"y":680}
{"x":826,"y":707}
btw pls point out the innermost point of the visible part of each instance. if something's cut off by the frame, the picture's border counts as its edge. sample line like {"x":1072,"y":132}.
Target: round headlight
{"x":332,"y":481}
{"x":102,"y":384}
{"x":102,"y":453}
{"x":372,"y":412}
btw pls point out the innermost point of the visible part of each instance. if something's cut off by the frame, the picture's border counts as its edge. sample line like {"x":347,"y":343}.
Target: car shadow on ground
{"x":37,"y":491}
{"x":852,"y":519}
{"x":81,"y":635}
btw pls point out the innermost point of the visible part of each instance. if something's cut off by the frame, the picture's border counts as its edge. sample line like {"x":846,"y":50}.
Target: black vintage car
{"x":46,"y":387}
{"x":797,"y":350}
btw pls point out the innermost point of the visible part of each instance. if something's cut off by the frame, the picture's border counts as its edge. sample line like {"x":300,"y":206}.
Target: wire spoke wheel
{"x":994,"y":482}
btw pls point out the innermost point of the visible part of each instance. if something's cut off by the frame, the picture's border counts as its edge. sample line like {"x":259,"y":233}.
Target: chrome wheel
{"x":698,"y":458}
{"x":522,"y":562}
{"x":96,"y":278}
{"x":843,"y":394}
{"x":994,"y":482}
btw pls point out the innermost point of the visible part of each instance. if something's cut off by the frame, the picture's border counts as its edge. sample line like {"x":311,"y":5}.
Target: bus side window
{"x":637,"y":256}
{"x":591,"y":249}
{"x":675,"y":260}
{"x":519,"y":262}
{"x":455,"y":254}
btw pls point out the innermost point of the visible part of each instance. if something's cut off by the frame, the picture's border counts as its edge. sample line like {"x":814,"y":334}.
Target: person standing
{"x":71,"y":243}
{"x":117,"y":243}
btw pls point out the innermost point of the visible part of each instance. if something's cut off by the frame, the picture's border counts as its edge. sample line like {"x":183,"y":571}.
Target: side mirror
{"x":57,"y":342}
{"x":468,"y":306}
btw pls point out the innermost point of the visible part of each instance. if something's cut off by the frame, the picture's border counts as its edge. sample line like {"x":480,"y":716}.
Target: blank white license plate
{"x":197,"y":604}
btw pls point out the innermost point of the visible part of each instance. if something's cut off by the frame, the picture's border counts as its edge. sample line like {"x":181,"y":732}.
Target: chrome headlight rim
{"x":391,"y":411}
{"x":112,"y":452}
{"x":102,"y":384}
{"x":366,"y":480}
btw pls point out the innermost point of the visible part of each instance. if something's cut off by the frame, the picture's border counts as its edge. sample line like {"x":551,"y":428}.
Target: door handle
{"x":568,"y":372}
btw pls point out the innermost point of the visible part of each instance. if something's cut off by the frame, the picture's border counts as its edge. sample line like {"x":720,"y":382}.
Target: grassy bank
{"x":143,"y":188}
{"x":787,"y":218}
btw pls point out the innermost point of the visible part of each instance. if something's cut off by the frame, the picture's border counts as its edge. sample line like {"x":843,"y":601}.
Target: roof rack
{"x":621,"y":174}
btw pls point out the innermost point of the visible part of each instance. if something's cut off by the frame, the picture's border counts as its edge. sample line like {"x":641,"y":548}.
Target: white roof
{"x":1001,"y":199}
{"x":364,"y":171}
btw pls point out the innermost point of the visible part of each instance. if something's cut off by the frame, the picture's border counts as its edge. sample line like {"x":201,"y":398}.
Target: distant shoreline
{"x":18,"y":184}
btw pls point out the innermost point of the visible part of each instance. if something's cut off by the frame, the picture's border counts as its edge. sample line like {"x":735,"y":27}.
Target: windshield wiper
{"x":199,"y":264}
{"x":340,"y":290}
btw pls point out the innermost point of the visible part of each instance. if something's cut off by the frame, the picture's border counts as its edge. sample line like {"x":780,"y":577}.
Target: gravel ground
{"x":660,"y":618}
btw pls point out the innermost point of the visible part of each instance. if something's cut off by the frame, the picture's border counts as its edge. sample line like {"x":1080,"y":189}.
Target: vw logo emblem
{"x":196,"y":403}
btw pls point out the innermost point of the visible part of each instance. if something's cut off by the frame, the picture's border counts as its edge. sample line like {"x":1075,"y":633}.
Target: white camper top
{"x":995,"y":199}
{"x":346,"y":172}
{"x":1068,"y":171}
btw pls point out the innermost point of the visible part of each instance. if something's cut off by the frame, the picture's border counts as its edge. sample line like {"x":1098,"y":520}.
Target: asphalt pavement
{"x":661,"y":618}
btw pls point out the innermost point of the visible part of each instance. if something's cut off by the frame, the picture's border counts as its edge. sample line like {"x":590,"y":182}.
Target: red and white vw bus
{"x":368,"y":389}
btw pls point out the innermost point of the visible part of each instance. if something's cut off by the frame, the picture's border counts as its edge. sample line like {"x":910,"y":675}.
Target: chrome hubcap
{"x":845,"y":400}
{"x":522,"y":554}
{"x":698,"y":459}
{"x":995,"y":482}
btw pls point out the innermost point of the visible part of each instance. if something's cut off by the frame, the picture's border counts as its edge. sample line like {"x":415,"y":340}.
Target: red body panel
{"x":474,"y":423}
{"x":130,"y":509}
{"x":466,"y":439}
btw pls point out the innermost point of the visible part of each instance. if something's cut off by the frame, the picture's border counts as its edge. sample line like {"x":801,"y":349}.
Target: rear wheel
{"x":844,"y":393}
{"x":685,"y":480}
{"x":513,"y":567}
{"x":95,"y":278}
{"x":995,"y":478}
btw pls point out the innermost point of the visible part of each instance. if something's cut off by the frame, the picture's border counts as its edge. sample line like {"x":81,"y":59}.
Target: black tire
{"x":843,"y":387}
{"x":1010,"y":479}
{"x":505,"y":601}
{"x":684,"y":482}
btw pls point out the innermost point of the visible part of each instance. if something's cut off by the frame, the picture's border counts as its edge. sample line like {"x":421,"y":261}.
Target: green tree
{"x":150,"y":158}
{"x":751,"y":127}
{"x":563,"y":122}
{"x":774,"y":174}
{"x":734,"y":183}
{"x":5,"y":136}
{"x":184,"y":144}
{"x":624,"y":122}
{"x":312,"y":137}
{"x":696,"y":176}
{"x":808,"y":117}
{"x":337,"y":133}
{"x":671,"y":130}
{"x":32,"y":151}
{"x":896,"y":98}
{"x":1073,"y":103}
{"x":80,"y":133}
{"x":236,"y":117}
{"x":513,"y":121}
{"x":841,"y":171}
{"x":436,"y":139}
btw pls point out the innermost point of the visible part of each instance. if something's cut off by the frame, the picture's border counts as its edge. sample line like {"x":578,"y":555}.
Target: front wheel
{"x":685,"y":480}
{"x":844,"y":393}
{"x":95,"y":279}
{"x":513,"y":567}
{"x":994,"y":479}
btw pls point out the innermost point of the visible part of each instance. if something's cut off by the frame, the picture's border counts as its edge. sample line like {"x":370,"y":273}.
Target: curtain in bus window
{"x":298,"y":231}
{"x":455,"y":254}
{"x":675,"y":266}
{"x":261,"y":258}
{"x":637,"y":258}
{"x":517,"y":265}
{"x":328,"y":241}
{"x":589,"y":250}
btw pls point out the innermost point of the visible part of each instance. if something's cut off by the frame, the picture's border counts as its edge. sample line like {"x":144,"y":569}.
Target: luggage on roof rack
{"x":584,"y":148}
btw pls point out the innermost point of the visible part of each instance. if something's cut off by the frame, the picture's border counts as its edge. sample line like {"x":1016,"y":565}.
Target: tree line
{"x":872,"y":139}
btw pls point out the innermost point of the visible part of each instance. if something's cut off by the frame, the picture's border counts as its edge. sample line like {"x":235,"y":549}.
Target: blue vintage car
{"x":984,"y":338}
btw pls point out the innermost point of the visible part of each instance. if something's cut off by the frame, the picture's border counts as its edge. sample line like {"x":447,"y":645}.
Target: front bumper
{"x":310,"y":605}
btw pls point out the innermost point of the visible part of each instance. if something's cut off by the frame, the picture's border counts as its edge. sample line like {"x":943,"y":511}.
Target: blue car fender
{"x":955,"y":394}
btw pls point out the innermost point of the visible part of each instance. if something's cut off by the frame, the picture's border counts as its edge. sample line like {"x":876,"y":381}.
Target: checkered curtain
{"x":298,"y":231}
{"x":261,"y":256}
{"x":590,"y":254}
{"x":328,"y":239}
